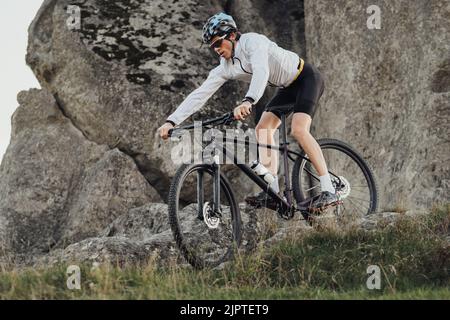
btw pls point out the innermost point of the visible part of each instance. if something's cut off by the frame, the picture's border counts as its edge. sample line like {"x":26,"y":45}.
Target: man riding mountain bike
{"x":253,"y":58}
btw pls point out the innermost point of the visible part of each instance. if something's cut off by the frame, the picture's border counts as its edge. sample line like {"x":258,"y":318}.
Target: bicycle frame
{"x":284,"y":205}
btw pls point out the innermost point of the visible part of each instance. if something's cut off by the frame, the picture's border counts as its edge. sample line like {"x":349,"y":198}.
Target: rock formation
{"x":387,"y":91}
{"x":85,"y":176}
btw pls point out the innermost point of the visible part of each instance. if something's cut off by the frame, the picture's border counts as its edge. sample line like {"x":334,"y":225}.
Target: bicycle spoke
{"x":317,"y":186}
{"x":350,"y":175}
{"x":360,"y":199}
{"x":349,"y":212}
{"x":359,"y":193}
{"x":366,"y":187}
{"x":359,"y":190}
{"x":354,"y":210}
{"x":356,"y":205}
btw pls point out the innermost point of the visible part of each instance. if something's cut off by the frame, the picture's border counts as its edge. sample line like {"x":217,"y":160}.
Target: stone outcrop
{"x":387,"y":91}
{"x":143,"y":236}
{"x":85,"y":176}
{"x":57,"y":186}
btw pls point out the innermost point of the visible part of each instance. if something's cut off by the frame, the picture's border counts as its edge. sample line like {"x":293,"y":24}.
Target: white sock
{"x":274,"y":185}
{"x":325,"y":183}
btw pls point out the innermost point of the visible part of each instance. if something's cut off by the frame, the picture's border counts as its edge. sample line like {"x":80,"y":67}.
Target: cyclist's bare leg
{"x":265,"y":130}
{"x":301,"y":123}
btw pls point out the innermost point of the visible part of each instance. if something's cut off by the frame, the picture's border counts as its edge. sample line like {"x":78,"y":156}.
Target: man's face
{"x":223,"y":47}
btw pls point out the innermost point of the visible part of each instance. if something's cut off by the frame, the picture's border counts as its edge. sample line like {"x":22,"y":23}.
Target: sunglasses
{"x":218,"y":42}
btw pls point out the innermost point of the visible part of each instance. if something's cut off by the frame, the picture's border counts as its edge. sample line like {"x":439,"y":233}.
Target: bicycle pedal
{"x":322,"y":209}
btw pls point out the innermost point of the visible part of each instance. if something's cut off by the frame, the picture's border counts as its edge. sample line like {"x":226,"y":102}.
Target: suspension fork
{"x":216,"y":188}
{"x":216,"y":191}
{"x":200,"y":194}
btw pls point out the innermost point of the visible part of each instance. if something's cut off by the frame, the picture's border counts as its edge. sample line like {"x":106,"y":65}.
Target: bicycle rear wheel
{"x":204,"y":237}
{"x":350,"y":174}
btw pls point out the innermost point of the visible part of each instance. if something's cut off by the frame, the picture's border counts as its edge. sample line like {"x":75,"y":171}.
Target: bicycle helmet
{"x":218,"y":25}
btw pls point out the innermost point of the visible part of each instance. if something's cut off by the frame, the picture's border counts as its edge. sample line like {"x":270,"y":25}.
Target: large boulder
{"x":85,"y":175}
{"x":81,"y":146}
{"x":143,"y":235}
{"x":123,"y":72}
{"x":387,"y":91}
{"x":57,"y":187}
{"x":131,"y":63}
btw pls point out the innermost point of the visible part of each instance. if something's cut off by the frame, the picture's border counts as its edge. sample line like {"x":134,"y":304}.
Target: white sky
{"x":15,"y":75}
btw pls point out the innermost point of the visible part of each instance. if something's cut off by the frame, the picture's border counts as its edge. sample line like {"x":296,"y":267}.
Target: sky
{"x":15,"y":75}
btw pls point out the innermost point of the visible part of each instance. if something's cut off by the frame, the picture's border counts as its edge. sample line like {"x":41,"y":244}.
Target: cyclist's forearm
{"x":258,"y":84}
{"x":188,"y":107}
{"x":193,"y":103}
{"x":197,"y":98}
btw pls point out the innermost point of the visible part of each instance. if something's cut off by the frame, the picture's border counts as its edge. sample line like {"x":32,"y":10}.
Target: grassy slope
{"x":414,"y":258}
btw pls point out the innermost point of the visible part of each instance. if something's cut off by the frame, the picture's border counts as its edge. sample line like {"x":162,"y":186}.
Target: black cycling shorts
{"x":302,"y":94}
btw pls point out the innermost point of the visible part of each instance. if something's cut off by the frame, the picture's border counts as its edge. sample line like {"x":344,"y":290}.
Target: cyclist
{"x":253,"y":58}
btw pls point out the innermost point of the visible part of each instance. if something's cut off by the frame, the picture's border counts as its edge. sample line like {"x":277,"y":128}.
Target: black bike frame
{"x":285,"y":205}
{"x":283,"y":148}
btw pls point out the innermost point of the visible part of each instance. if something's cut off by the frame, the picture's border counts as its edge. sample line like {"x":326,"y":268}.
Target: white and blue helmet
{"x":218,"y":25}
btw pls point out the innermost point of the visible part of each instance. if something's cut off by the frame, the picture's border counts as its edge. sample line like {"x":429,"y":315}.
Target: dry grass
{"x":413,"y":256}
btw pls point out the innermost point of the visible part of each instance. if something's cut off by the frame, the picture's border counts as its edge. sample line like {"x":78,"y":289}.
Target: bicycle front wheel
{"x":350,"y":174}
{"x":206,"y":238}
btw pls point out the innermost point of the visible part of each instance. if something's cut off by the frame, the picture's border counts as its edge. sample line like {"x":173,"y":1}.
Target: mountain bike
{"x":203,"y":211}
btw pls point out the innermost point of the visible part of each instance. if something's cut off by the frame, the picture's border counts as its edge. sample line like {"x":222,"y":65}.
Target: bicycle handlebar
{"x":226,"y":119}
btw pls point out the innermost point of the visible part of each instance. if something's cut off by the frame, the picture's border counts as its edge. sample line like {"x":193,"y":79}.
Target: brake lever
{"x":173,"y":138}
{"x":230,"y":119}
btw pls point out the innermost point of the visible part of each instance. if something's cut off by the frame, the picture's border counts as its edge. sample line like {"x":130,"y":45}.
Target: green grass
{"x":413,"y":255}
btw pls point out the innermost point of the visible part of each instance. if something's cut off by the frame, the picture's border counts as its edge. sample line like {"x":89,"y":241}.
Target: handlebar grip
{"x":173,"y":138}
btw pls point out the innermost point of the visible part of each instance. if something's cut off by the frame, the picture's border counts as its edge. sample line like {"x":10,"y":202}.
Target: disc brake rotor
{"x":342,"y":187}
{"x":209,"y":217}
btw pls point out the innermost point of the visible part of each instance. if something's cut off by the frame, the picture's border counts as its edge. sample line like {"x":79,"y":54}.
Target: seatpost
{"x":283,"y":130}
{"x":284,"y":144}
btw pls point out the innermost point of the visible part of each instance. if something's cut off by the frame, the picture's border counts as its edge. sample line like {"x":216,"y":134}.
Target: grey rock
{"x":85,"y":174}
{"x":58,"y":187}
{"x":125,"y":71}
{"x":141,"y":223}
{"x":387,"y":92}
{"x":143,"y":235}
{"x":141,"y":238}
{"x":114,"y":250}
{"x":382,"y":219}
{"x":263,"y":227}
{"x":130,"y":65}
{"x":111,"y":187}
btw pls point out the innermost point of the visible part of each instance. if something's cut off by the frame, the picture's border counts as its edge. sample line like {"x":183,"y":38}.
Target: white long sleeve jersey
{"x":256,"y":60}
